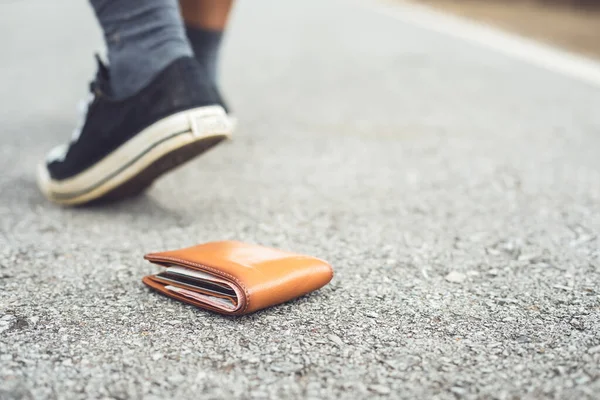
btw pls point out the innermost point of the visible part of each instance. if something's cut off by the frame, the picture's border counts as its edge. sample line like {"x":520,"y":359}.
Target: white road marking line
{"x":545,"y":56}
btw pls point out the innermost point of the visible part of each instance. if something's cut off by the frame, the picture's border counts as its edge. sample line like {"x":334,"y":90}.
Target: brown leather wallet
{"x":236,"y":278}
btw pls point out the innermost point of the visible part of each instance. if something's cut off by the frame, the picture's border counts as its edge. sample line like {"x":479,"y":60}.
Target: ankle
{"x":206,"y":44}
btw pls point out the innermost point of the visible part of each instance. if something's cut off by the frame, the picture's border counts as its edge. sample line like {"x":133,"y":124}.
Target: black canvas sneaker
{"x":123,"y":145}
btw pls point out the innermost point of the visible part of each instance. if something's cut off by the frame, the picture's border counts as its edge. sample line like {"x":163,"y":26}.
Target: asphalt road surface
{"x":456,"y":191}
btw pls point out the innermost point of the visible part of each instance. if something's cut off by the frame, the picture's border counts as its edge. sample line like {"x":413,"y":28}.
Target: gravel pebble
{"x":335,"y":339}
{"x":380,"y":389}
{"x":594,"y":350}
{"x":456,"y":277}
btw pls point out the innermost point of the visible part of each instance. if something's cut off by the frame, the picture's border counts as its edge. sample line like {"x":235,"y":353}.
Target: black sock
{"x":205,"y":44}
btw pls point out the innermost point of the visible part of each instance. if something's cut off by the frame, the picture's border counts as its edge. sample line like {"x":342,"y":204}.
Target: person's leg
{"x":142,"y":38}
{"x":150,"y":110}
{"x":205,"y":22}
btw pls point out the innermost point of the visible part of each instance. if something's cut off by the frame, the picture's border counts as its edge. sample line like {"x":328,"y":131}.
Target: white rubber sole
{"x":157,"y":149}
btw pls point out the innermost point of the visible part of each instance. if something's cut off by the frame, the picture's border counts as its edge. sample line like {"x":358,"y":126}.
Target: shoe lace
{"x":59,"y":153}
{"x":82,"y":108}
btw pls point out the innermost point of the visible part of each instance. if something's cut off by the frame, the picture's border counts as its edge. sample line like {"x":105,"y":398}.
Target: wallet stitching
{"x":169,"y":258}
